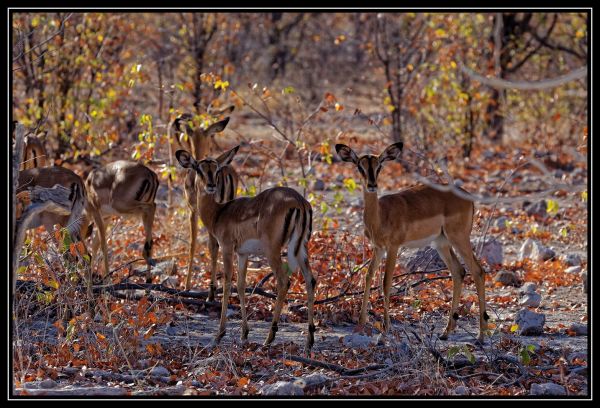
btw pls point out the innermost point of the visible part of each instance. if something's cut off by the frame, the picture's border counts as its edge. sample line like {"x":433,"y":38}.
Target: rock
{"x":160,"y":371}
{"x":547,"y":389}
{"x":579,"y":329}
{"x":580,"y":371}
{"x":492,"y":252}
{"x":573,"y":269}
{"x":537,"y":209}
{"x":531,"y":300}
{"x":461,"y":390}
{"x":501,"y":222}
{"x":48,"y":383}
{"x":426,"y":257}
{"x":529,"y":287}
{"x":170,"y":281}
{"x":530,"y":323}
{"x":312,"y":379}
{"x":70,"y":390}
{"x":319,"y":185}
{"x":535,"y":250}
{"x":165,"y":267}
{"x":507,"y":278}
{"x":283,"y":388}
{"x":356,"y":340}
{"x":585,"y":281}
{"x":572,"y":259}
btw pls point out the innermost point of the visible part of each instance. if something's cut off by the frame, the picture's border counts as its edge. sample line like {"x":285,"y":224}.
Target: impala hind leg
{"x":282,"y":288}
{"x":241,"y":290}
{"x":458,"y":274}
{"x":148,"y":221}
{"x":463,"y":246}
{"x":311,"y":284}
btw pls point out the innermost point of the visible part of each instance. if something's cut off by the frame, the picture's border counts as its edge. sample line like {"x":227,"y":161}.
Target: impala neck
{"x":371,"y":215}
{"x":209,"y":209}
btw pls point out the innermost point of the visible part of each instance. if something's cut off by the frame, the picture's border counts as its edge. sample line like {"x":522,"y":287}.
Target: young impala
{"x":258,"y":225}
{"x":122,"y":188}
{"x":413,"y":218}
{"x":198,"y":141}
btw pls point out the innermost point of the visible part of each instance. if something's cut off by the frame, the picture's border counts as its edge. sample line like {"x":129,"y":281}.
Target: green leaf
{"x":287,"y":269}
{"x":324,"y":207}
{"x":452,"y":352}
{"x":552,"y":207}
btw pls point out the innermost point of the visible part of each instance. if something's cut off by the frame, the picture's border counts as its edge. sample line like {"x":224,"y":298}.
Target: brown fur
{"x":416,"y":214}
{"x":264,"y":221}
{"x":122,"y":188}
{"x":34,"y":153}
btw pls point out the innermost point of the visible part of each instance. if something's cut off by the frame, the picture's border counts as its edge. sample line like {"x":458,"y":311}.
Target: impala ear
{"x":346,"y":153}
{"x":182,"y":122}
{"x":217,"y":127}
{"x":185,"y":159}
{"x":227,"y":157}
{"x":392,"y":152}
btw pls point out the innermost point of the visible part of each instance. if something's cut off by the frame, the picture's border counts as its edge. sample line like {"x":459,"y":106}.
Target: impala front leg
{"x":213,"y":249}
{"x":148,"y":220}
{"x":241,"y":291}
{"x":228,"y":271}
{"x":390,"y":262}
{"x":193,"y":233}
{"x":373,"y":265}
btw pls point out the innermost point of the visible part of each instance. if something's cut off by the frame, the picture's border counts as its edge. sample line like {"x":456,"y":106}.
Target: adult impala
{"x":197,"y":140}
{"x":34,"y":153}
{"x":257,"y":225}
{"x":415,"y":217}
{"x":122,"y":188}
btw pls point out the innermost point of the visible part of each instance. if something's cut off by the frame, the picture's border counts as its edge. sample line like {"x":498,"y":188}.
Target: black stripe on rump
{"x":144,"y":187}
{"x":302,"y":232}
{"x":286,"y":225}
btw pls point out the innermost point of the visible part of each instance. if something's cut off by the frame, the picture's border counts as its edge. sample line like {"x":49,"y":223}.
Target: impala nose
{"x":210,"y":188}
{"x":372,"y":188}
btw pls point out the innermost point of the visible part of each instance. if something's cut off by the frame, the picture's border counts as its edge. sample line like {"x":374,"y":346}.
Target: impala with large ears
{"x":259,"y":225}
{"x":199,"y":143}
{"x":413,"y":218}
{"x":122,"y":188}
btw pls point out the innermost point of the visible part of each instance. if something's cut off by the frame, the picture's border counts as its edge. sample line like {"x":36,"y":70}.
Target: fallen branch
{"x":335,"y":367}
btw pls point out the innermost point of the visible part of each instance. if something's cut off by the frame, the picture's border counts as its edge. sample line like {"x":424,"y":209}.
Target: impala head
{"x":199,"y":136}
{"x":207,"y":169}
{"x":369,"y":165}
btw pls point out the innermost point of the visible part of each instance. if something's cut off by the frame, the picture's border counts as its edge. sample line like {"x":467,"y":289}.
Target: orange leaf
{"x":243,"y":381}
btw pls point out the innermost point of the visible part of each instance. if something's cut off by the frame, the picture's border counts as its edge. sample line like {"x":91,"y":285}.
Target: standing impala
{"x":258,"y":225}
{"x":122,"y":188}
{"x":198,"y":141}
{"x":414,"y":218}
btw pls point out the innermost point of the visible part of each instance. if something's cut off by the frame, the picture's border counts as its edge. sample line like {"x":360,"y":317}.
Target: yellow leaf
{"x":339,"y":107}
{"x":514,"y":328}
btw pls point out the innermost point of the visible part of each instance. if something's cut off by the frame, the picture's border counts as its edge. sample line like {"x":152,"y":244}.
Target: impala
{"x":259,"y":225}
{"x":122,"y":188}
{"x":414,"y":218}
{"x":199,"y":142}
{"x":34,"y":154}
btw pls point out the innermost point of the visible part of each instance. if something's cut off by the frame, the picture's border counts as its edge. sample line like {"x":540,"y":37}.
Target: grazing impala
{"x":258,"y":225}
{"x":34,"y":154}
{"x":122,"y":188}
{"x":413,"y":218}
{"x":198,"y":141}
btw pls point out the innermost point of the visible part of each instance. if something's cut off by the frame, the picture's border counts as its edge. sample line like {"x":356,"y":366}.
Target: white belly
{"x":251,"y":246}
{"x":419,"y":243}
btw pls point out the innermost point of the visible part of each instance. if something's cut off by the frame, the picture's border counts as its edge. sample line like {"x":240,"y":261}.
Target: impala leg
{"x":228,"y":271}
{"x":193,"y":233}
{"x":311,"y":284}
{"x":148,"y":220}
{"x":390,"y":262}
{"x":102,"y":238}
{"x":458,"y":273}
{"x":373,"y":265}
{"x":282,"y":288}
{"x":241,"y":290}
{"x":213,"y":249}
{"x":464,"y":249}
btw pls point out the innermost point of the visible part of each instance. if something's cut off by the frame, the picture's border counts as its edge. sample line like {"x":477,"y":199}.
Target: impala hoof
{"x":444,"y":336}
{"x":151,"y":262}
